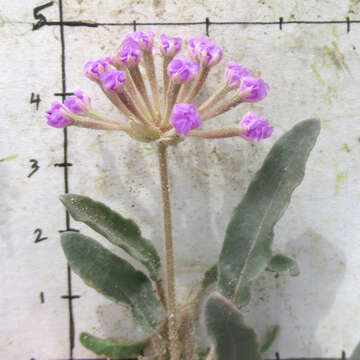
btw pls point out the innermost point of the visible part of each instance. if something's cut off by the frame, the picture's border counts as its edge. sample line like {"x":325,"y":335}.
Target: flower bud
{"x":185,"y":118}
{"x":78,"y":104}
{"x":58,"y":115}
{"x":114,"y":80}
{"x":94,"y":69}
{"x":182,"y":69}
{"x":195,"y":43}
{"x":254,"y":128}
{"x":234,"y":73}
{"x":143,"y":39}
{"x":130,"y":53}
{"x":253,"y":89}
{"x":209,"y":55}
{"x":170,"y":46}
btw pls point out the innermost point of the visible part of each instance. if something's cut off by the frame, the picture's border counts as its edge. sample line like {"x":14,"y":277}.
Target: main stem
{"x":171,"y":301}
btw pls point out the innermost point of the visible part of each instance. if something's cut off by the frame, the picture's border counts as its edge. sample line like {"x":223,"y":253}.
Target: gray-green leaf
{"x":118,"y":230}
{"x":284,"y":264}
{"x":113,"y":277}
{"x":110,"y":348}
{"x":356,"y":353}
{"x":210,"y":277}
{"x":233,"y":340}
{"x":270,"y":338}
{"x":247,"y":246}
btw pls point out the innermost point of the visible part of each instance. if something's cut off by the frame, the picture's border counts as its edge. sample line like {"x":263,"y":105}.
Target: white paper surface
{"x":313,"y":71}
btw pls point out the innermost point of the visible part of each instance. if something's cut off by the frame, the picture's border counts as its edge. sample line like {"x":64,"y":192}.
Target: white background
{"x":313,"y":71}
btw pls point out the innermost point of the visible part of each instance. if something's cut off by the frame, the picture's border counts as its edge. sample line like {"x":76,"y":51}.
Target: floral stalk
{"x":197,"y":85}
{"x":136,"y":76}
{"x":151,"y":74}
{"x":171,"y":300}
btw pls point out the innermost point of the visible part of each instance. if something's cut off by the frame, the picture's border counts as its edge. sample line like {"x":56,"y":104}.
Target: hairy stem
{"x":171,"y":301}
{"x":161,"y":293}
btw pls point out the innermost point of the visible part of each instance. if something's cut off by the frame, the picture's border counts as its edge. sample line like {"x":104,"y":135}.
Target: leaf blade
{"x":113,"y":277}
{"x":284,"y":264}
{"x":110,"y":348}
{"x":233,"y":340}
{"x":115,"y":228}
{"x":262,"y":206}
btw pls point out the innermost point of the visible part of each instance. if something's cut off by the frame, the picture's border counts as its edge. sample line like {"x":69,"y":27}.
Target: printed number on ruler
{"x":35,"y":99}
{"x":38,"y":16}
{"x":39,"y":238}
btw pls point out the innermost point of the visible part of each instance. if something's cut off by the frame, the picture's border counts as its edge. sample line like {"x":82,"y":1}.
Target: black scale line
{"x":70,"y":297}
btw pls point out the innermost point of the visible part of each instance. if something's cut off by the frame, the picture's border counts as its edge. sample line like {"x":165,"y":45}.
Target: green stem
{"x":170,"y":272}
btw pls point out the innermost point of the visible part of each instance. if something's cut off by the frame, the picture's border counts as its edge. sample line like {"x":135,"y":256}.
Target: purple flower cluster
{"x":94,"y":69}
{"x":205,"y":51}
{"x":131,"y":98}
{"x":60,"y":115}
{"x":254,"y":128}
{"x":234,"y":73}
{"x":182,"y":69}
{"x":143,"y":39}
{"x":170,"y":46}
{"x":113,"y":80}
{"x":253,"y":89}
{"x":185,"y":118}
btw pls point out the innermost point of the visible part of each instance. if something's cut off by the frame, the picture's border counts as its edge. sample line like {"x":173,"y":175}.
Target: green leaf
{"x":248,"y":240}
{"x":118,"y":230}
{"x":270,"y":338}
{"x":284,"y":264}
{"x":356,"y":353}
{"x":233,"y":340}
{"x":113,"y":277}
{"x":110,"y":348}
{"x":210,"y":277}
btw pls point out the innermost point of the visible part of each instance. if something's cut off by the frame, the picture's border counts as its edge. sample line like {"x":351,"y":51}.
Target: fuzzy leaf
{"x":233,"y":340}
{"x":210,"y":277}
{"x":270,"y":338}
{"x":115,"y":228}
{"x":284,"y":264}
{"x":356,"y":353}
{"x":113,"y":277}
{"x":247,"y":245}
{"x":110,"y":348}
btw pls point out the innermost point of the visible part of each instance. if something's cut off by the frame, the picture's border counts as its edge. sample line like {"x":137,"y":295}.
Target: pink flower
{"x":182,"y":69}
{"x":58,"y":115}
{"x":185,"y":118}
{"x":79,"y":103}
{"x":130,"y":53}
{"x":254,"y":128}
{"x":170,"y":46}
{"x":143,"y":39}
{"x":234,"y":73}
{"x":113,"y":80}
{"x":94,"y":69}
{"x":253,"y":89}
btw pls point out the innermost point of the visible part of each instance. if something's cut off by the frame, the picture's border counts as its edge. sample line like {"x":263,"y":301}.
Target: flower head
{"x":58,"y":115}
{"x":209,"y":55}
{"x":94,"y":69}
{"x":195,"y":43}
{"x":254,"y":128}
{"x":182,"y":69}
{"x":185,"y":118}
{"x":234,"y":73}
{"x":130,"y":53}
{"x":170,"y":46}
{"x":253,"y":89}
{"x":143,"y":39}
{"x":79,"y":103}
{"x":113,"y":80}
